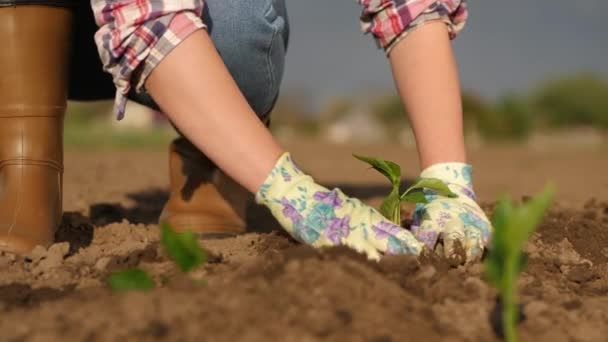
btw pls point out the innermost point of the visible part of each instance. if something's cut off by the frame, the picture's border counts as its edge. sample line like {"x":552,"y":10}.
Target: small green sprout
{"x":513,"y":226}
{"x":184,"y":250}
{"x":391,"y":206}
{"x":133,"y":279}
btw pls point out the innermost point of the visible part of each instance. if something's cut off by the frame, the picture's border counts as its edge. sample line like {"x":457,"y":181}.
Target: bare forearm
{"x":427,"y":79}
{"x":194,"y":88}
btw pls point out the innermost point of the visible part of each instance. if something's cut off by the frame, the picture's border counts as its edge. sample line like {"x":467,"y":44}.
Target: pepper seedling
{"x":513,"y":226}
{"x":391,"y":206}
{"x":183,"y":249}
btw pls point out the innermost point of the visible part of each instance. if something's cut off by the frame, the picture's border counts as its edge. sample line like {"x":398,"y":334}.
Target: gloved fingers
{"x":360,"y":241}
{"x":475,"y":218}
{"x":404,"y":242}
{"x":393,"y":244}
{"x":427,"y":233}
{"x":454,"y":245}
{"x":370,"y":252}
{"x":397,"y":240}
{"x":389,"y":238}
{"x":474,"y":245}
{"x":424,"y":227}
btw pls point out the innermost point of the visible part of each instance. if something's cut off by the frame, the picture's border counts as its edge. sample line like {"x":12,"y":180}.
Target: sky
{"x":507,"y":46}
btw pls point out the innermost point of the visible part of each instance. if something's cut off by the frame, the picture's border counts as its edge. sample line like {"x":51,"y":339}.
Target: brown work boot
{"x":33,"y":83}
{"x":203,"y":199}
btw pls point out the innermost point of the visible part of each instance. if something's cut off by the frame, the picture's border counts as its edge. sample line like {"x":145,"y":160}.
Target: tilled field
{"x":264,"y":287}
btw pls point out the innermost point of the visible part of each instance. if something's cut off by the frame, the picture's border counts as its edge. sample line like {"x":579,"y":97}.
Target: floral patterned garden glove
{"x":456,"y":221}
{"x":320,"y":217}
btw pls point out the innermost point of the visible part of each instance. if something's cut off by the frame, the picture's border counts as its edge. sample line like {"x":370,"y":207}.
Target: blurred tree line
{"x":579,"y":100}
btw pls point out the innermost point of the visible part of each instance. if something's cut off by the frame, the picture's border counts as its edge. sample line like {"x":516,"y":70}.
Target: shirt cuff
{"x":179,"y":29}
{"x":390,"y":21}
{"x":133,"y":40}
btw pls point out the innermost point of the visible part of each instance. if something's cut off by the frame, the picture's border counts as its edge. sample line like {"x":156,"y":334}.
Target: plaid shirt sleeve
{"x":389,"y":21}
{"x":135,"y":35}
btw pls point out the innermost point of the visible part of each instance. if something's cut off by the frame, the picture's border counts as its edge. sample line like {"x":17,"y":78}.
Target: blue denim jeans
{"x":251,"y":37}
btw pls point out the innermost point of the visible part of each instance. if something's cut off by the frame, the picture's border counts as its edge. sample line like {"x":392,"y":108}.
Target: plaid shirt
{"x":135,"y":35}
{"x":389,"y":21}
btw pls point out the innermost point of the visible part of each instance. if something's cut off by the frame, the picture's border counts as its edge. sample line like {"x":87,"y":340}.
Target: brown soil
{"x":264,"y":287}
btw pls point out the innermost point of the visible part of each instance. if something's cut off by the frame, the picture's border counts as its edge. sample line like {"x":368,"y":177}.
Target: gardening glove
{"x":320,"y":217}
{"x":457,"y":222}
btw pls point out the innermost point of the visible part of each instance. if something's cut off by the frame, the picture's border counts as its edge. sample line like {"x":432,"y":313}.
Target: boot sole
{"x":206,"y":226}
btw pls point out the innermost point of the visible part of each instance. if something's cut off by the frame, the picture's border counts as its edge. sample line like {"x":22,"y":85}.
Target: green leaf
{"x":130,"y":280}
{"x":513,"y":226}
{"x":391,"y":207}
{"x":414,"y":197}
{"x":494,"y":272}
{"x":531,"y":213}
{"x":389,"y":169}
{"x":434,"y":184}
{"x":183,"y":248}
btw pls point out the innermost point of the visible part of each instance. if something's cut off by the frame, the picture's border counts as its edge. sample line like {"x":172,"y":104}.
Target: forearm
{"x":195,"y":90}
{"x":426,"y":75}
{"x":132,"y":38}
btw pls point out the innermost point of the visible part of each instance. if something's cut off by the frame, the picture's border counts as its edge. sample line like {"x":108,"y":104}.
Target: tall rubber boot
{"x":203,"y":199}
{"x":33,"y":83}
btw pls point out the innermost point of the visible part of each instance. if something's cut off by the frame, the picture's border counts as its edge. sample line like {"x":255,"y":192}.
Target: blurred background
{"x":533,"y":73}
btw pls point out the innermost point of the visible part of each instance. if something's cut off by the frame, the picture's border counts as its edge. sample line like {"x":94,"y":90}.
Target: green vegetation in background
{"x":291,"y":110}
{"x":581,"y":100}
{"x":102,"y":135}
{"x":390,"y":111}
{"x":337,"y":108}
{"x":87,"y":126}
{"x":509,"y":119}
{"x":571,"y":101}
{"x":578,"y":100}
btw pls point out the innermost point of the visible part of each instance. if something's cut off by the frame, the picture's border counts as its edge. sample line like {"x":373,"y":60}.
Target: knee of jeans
{"x":251,"y":37}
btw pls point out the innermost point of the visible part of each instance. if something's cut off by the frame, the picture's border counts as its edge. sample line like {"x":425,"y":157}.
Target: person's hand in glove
{"x":320,"y":217}
{"x":459,"y":223}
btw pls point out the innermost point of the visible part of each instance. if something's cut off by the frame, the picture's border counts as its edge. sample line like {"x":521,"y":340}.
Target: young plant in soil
{"x":391,"y":206}
{"x":183,"y":249}
{"x":513,"y":226}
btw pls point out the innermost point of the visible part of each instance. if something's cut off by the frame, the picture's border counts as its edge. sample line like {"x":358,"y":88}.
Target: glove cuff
{"x":281,"y":178}
{"x":458,"y":176}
